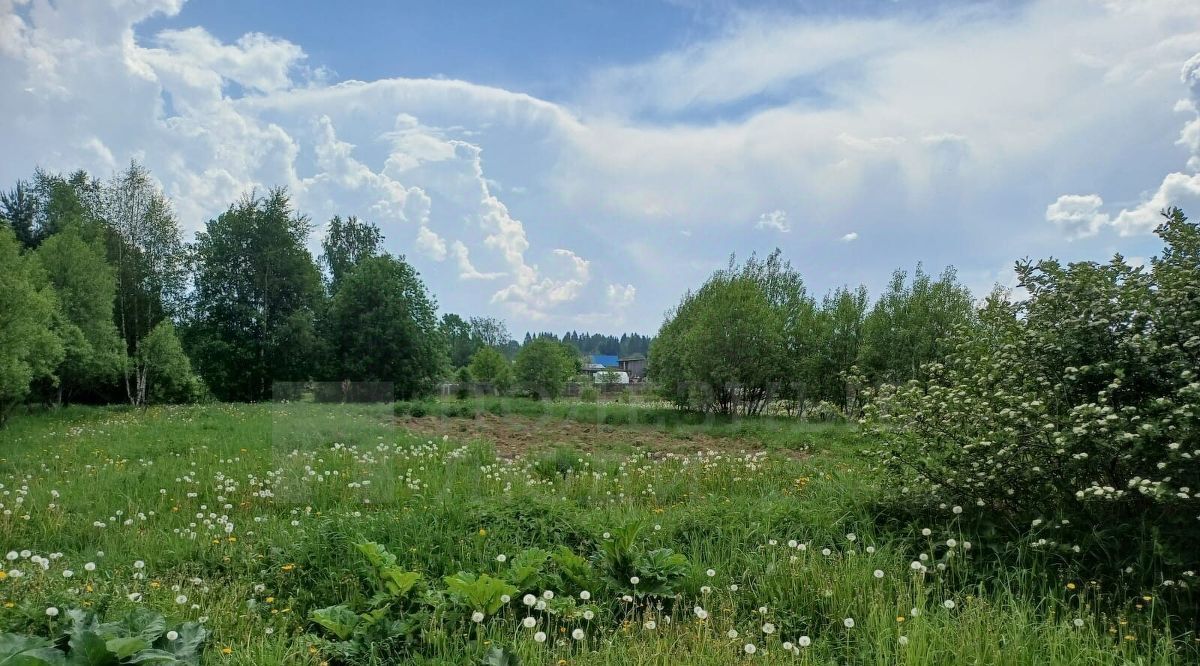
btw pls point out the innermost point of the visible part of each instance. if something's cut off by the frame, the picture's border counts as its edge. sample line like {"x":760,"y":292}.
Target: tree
{"x":839,"y":330}
{"x":489,"y":365}
{"x":346,"y":243}
{"x":67,"y":201}
{"x":146,"y":248}
{"x":169,"y":377}
{"x":18,"y":209}
{"x":85,"y":285}
{"x":257,"y":290}
{"x":386,"y":328}
{"x":543,"y":368}
{"x":911,"y":325}
{"x":460,"y":339}
{"x":29,"y":349}
{"x":725,"y":348}
{"x":490,"y":332}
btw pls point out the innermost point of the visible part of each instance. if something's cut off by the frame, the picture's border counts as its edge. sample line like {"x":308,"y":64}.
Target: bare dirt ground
{"x":515,"y":435}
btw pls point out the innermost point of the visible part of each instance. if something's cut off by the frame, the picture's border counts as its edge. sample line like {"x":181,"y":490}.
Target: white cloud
{"x":620,"y":295}
{"x":433,"y":245}
{"x":776,"y":219}
{"x":466,"y":270}
{"x":850,"y":237}
{"x":1078,"y":215}
{"x":255,"y":61}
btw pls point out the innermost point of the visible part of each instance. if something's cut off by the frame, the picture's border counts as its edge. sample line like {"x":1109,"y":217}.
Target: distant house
{"x":634,"y":365}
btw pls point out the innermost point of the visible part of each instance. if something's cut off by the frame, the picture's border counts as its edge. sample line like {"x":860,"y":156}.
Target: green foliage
{"x":347,"y":243}
{"x":723,"y":348}
{"x":256,"y":294}
{"x":141,"y":636}
{"x":145,"y":247}
{"x":489,"y":365}
{"x":481,"y":592}
{"x":543,"y":367}
{"x":466,"y":338}
{"x":911,"y":325}
{"x":1073,"y":415}
{"x":85,"y":285}
{"x":18,"y":209}
{"x":384,"y":328}
{"x":838,"y":341}
{"x":589,"y":394}
{"x":388,"y":623}
{"x":499,"y":656}
{"x":727,"y":505}
{"x":630,"y":568}
{"x":338,"y":620}
{"x":28,"y":651}
{"x":457,"y":332}
{"x":169,"y":376}
{"x":29,"y":349}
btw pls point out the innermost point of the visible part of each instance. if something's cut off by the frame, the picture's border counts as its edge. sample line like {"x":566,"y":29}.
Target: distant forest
{"x":596,"y":343}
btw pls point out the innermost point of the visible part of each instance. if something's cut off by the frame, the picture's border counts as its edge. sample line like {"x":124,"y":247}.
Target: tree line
{"x":752,"y":336}
{"x":589,"y":344}
{"x":102,"y":300}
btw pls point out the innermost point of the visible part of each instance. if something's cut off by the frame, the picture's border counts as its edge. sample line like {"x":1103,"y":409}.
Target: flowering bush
{"x":1072,"y":415}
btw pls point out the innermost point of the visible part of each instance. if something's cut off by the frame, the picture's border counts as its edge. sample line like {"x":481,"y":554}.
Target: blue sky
{"x":579,"y":165}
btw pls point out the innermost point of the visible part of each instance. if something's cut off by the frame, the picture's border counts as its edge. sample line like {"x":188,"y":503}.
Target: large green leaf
{"x":18,"y":650}
{"x":145,"y":624}
{"x":525,"y":569}
{"x":339,"y":620}
{"x":397,"y":581}
{"x":89,"y":648}
{"x":153,"y":656}
{"x":482,"y":593}
{"x":376,"y":554}
{"x":126,"y":646}
{"x":186,"y":647}
{"x":498,"y":656}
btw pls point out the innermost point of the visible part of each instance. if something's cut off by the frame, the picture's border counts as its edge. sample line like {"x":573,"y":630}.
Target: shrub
{"x":169,"y":377}
{"x":543,"y":367}
{"x":488,"y":365}
{"x":1072,"y":415}
{"x":589,"y":394}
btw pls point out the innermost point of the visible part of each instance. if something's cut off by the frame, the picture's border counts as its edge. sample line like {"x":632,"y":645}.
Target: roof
{"x":634,"y":357}
{"x":608,"y":361}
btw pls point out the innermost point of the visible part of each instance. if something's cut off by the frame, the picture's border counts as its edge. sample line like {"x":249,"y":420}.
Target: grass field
{"x":246,"y":517}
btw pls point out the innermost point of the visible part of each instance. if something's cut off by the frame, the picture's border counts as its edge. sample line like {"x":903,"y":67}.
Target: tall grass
{"x":300,"y":483}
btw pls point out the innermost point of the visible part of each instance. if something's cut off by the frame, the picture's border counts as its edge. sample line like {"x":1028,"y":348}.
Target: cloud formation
{"x":1010,"y":130}
{"x":776,"y":219}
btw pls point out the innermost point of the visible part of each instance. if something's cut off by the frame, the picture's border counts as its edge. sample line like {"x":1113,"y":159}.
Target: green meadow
{"x":698,"y":541}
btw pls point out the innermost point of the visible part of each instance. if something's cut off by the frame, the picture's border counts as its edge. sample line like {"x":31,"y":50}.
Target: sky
{"x":580,"y":165}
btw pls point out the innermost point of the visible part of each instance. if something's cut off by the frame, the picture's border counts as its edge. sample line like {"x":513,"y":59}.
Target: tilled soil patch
{"x":515,"y":435}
